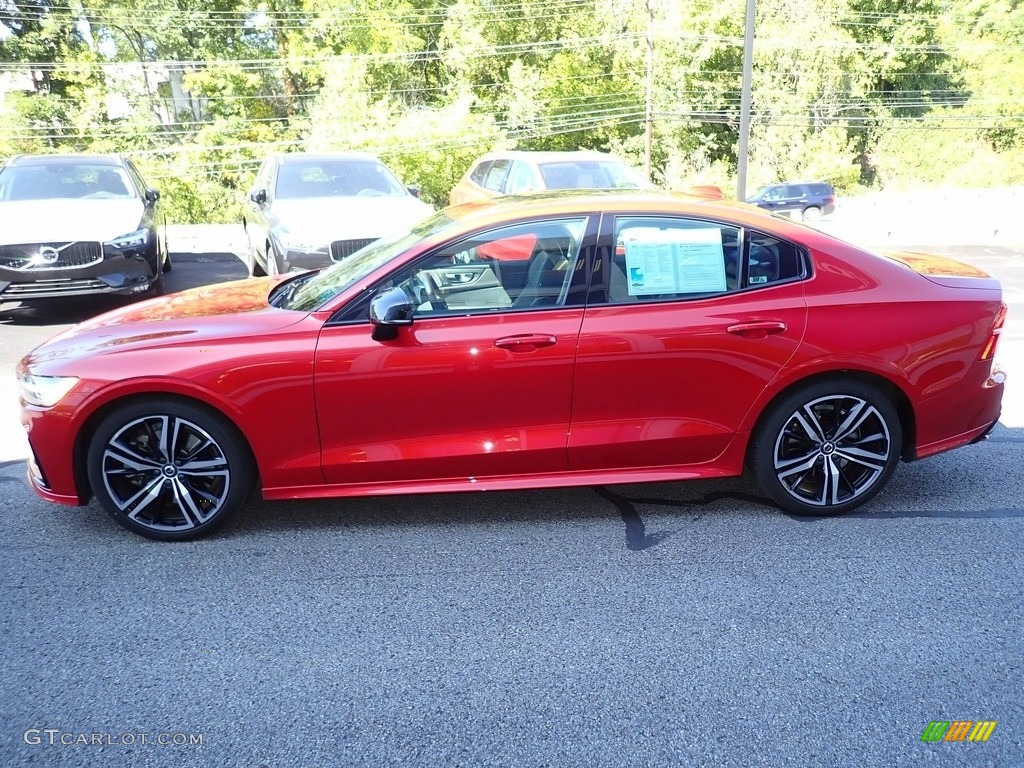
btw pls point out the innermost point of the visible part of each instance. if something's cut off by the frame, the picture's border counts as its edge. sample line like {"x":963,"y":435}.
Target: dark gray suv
{"x":78,"y":225}
{"x":801,"y":200}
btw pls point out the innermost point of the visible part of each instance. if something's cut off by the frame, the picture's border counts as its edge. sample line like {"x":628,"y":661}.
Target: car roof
{"x":549,"y":156}
{"x":575,"y":202}
{"x":112,"y":160}
{"x":293,"y":157}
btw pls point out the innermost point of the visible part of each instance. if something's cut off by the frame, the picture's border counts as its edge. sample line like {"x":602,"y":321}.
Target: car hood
{"x":37,"y":221}
{"x":235,"y":309}
{"x":343,"y":218}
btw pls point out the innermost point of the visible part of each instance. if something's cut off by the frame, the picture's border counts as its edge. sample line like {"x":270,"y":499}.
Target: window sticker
{"x":673,"y":260}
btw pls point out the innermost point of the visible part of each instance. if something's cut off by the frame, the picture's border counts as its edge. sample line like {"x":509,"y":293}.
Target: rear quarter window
{"x":664,"y":259}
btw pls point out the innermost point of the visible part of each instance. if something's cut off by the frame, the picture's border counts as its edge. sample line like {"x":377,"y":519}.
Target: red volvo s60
{"x":645,"y":336}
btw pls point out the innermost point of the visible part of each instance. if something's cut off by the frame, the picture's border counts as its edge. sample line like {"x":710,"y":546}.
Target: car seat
{"x":548,"y":270}
{"x":762,"y":263}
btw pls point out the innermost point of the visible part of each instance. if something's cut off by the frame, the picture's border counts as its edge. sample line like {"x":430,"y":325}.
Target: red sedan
{"x":645,"y":337}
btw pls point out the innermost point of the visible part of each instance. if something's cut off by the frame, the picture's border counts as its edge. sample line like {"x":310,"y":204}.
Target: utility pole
{"x":649,"y":131}
{"x":748,"y":68}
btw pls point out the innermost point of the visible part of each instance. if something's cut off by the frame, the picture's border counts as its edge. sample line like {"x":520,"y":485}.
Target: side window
{"x":770,"y":260}
{"x":521,"y":178}
{"x":136,"y":177}
{"x":262,"y":180}
{"x":795,"y":191}
{"x":527,"y":266}
{"x":496,"y":175}
{"x":480,"y":172}
{"x":659,"y":259}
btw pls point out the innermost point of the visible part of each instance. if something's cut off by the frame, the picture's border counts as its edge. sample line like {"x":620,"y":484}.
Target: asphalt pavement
{"x":678,"y":624}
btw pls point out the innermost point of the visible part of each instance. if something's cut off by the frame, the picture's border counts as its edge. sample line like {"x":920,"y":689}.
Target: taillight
{"x":993,"y":337}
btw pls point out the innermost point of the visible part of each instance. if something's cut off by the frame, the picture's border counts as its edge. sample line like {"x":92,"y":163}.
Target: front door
{"x":479,"y":386}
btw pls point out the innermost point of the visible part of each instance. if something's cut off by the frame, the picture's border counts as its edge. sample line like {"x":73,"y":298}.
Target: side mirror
{"x":152,"y":195}
{"x":258,"y":196}
{"x":389,"y":310}
{"x":414,"y":191}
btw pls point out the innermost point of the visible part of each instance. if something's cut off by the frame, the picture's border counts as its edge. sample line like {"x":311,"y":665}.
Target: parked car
{"x":77,"y":225}
{"x":804,"y":200}
{"x":520,"y":172}
{"x":647,"y":337}
{"x":306,"y":211}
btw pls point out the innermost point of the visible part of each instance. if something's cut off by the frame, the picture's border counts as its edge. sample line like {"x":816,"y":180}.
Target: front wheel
{"x":168,"y":469}
{"x":273,"y":264}
{"x":827,"y":447}
{"x":158,"y":287}
{"x":253,"y":266}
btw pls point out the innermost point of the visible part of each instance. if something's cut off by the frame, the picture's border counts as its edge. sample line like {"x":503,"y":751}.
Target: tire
{"x":273,"y":265}
{"x":849,"y":427}
{"x":255,"y":270}
{"x":167,"y":264}
{"x":812,"y":215}
{"x":157,"y":288}
{"x":176,"y":488}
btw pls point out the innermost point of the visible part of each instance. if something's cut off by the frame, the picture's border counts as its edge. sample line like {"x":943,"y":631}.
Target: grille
{"x":40,"y":256}
{"x":46,"y":289}
{"x":342,"y":249}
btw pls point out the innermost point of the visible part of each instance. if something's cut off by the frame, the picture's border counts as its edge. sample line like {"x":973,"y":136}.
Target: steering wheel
{"x":424,"y":285}
{"x":370,"y":192}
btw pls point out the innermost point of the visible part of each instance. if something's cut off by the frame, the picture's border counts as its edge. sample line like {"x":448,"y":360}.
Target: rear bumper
{"x":970,"y":414}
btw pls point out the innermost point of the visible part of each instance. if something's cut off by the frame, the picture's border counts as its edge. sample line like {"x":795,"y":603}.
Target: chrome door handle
{"x":758,"y":330}
{"x":526,"y":342}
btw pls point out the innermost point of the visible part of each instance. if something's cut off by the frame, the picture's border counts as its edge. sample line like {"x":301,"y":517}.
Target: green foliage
{"x":855,"y":92}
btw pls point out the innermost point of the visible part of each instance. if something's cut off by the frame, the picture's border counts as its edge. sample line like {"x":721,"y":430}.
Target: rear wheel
{"x":827,"y":447}
{"x":168,"y":469}
{"x":812,"y":214}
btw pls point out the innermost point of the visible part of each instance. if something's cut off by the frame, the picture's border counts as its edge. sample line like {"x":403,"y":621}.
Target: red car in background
{"x":647,"y":336}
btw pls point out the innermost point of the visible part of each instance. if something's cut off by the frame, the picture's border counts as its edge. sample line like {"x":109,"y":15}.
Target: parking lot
{"x":670,"y":624}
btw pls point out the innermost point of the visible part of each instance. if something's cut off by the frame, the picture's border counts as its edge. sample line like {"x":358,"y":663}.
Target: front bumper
{"x":119,"y":272}
{"x":323,"y":256}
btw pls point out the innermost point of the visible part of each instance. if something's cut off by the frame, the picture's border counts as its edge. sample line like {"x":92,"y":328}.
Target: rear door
{"x":687,"y":322}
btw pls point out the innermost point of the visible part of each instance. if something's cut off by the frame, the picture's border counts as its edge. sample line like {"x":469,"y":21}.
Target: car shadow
{"x":921,"y":490}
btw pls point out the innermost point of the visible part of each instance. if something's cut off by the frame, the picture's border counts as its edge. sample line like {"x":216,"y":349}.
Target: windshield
{"x":591,"y":174}
{"x":336,"y":178}
{"x":314,"y":292}
{"x":64,"y":180}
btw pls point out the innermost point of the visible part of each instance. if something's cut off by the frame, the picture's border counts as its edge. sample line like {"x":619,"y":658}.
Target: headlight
{"x":295,"y":241}
{"x":45,"y":391}
{"x":136,"y":239}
